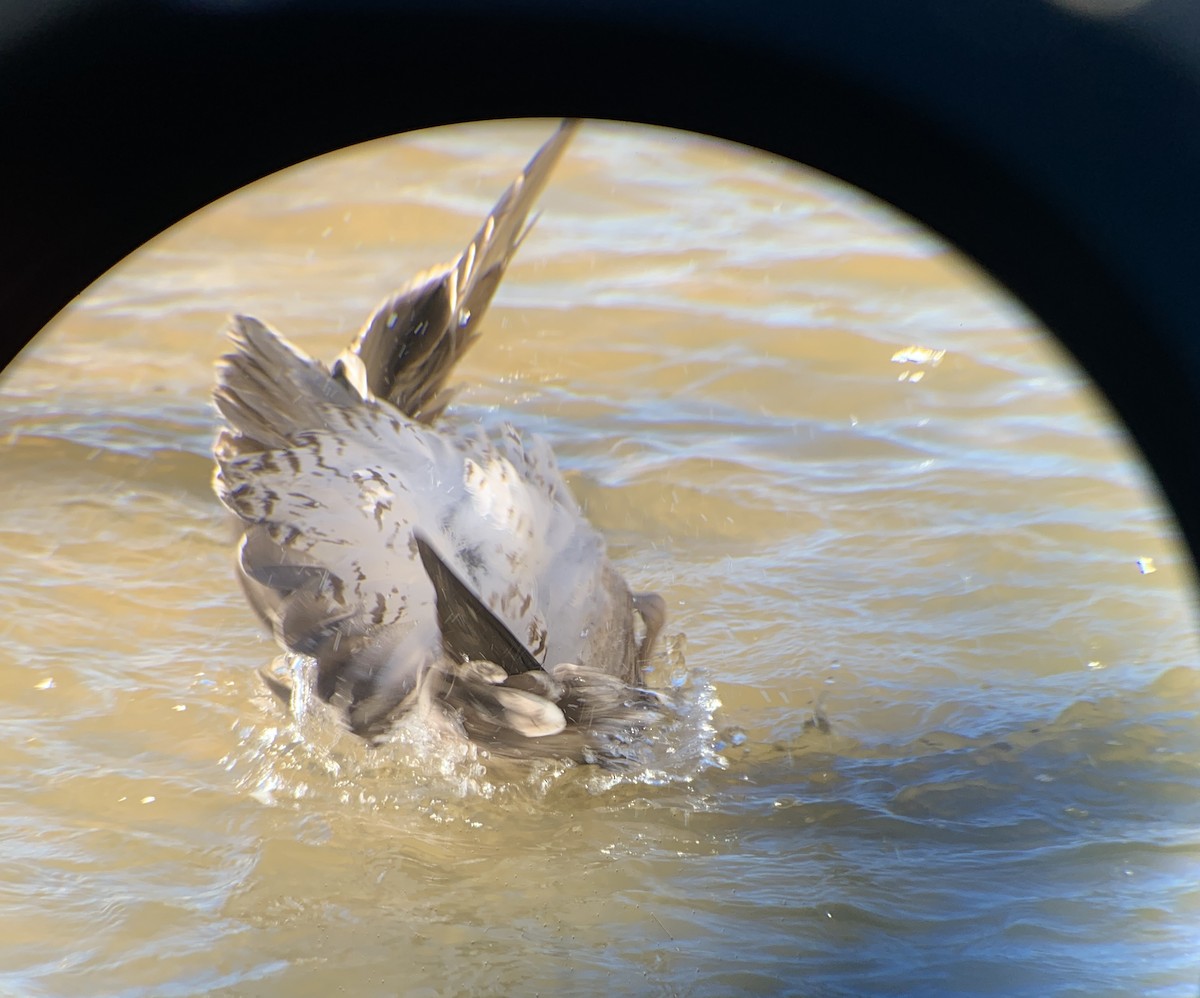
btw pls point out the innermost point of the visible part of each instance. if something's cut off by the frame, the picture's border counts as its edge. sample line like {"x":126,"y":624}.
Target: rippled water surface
{"x":940,"y":660}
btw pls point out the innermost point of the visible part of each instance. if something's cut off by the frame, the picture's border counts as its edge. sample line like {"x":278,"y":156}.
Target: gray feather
{"x":409,"y":346}
{"x":422,"y":563}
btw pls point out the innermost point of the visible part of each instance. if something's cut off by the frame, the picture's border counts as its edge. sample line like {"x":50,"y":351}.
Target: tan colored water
{"x":938,"y":555}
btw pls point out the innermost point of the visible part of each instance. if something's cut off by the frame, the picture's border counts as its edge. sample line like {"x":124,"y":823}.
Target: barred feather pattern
{"x":337,"y":472}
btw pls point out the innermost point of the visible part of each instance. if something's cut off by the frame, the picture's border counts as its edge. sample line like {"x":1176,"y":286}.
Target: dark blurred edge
{"x":1060,"y":150}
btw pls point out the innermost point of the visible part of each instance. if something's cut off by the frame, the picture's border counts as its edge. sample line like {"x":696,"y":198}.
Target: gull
{"x":421,"y":567}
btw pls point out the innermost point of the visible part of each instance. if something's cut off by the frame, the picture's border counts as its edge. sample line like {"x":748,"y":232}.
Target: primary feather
{"x":416,"y":560}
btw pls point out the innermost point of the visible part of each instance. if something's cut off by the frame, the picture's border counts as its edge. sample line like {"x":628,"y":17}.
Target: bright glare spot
{"x":918,"y":355}
{"x":149,"y":800}
{"x":1146,"y":566}
{"x":45,"y":684}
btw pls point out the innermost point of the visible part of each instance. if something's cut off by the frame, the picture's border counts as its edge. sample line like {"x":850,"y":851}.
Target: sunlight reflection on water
{"x":940,"y":729}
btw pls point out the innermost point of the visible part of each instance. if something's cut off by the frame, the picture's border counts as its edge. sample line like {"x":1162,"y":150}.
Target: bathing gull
{"x":421,"y":564}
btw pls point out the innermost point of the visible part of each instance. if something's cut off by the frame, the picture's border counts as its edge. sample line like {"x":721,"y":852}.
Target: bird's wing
{"x":333,"y":471}
{"x":330,"y":488}
{"x":408,"y":347}
{"x":328,"y":558}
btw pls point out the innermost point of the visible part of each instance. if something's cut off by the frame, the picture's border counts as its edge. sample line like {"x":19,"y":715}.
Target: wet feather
{"x":416,"y":560}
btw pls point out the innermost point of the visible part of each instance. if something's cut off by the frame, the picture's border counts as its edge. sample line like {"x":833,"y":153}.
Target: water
{"x":940,"y":731}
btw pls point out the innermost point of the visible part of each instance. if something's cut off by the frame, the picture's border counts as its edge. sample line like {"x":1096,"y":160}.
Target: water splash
{"x":308,"y":755}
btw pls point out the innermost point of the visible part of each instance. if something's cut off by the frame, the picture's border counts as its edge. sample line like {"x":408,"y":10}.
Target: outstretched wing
{"x":334,"y":472}
{"x":409,"y":346}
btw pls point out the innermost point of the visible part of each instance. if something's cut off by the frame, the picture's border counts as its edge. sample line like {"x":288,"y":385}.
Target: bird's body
{"x":420,"y":563}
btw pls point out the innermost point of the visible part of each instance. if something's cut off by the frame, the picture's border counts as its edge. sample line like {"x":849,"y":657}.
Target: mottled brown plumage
{"x":419,"y":563}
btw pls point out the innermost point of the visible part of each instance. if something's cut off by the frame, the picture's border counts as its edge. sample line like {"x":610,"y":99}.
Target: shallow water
{"x":935,"y":553}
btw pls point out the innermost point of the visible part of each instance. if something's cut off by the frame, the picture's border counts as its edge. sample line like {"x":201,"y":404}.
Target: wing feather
{"x":336,"y":472}
{"x":408,"y":347}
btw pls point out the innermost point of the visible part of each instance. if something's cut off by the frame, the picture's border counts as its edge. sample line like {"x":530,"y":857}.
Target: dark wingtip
{"x":470,"y":631}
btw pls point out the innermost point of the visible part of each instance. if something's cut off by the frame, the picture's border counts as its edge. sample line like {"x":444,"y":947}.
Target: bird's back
{"x":350,"y":479}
